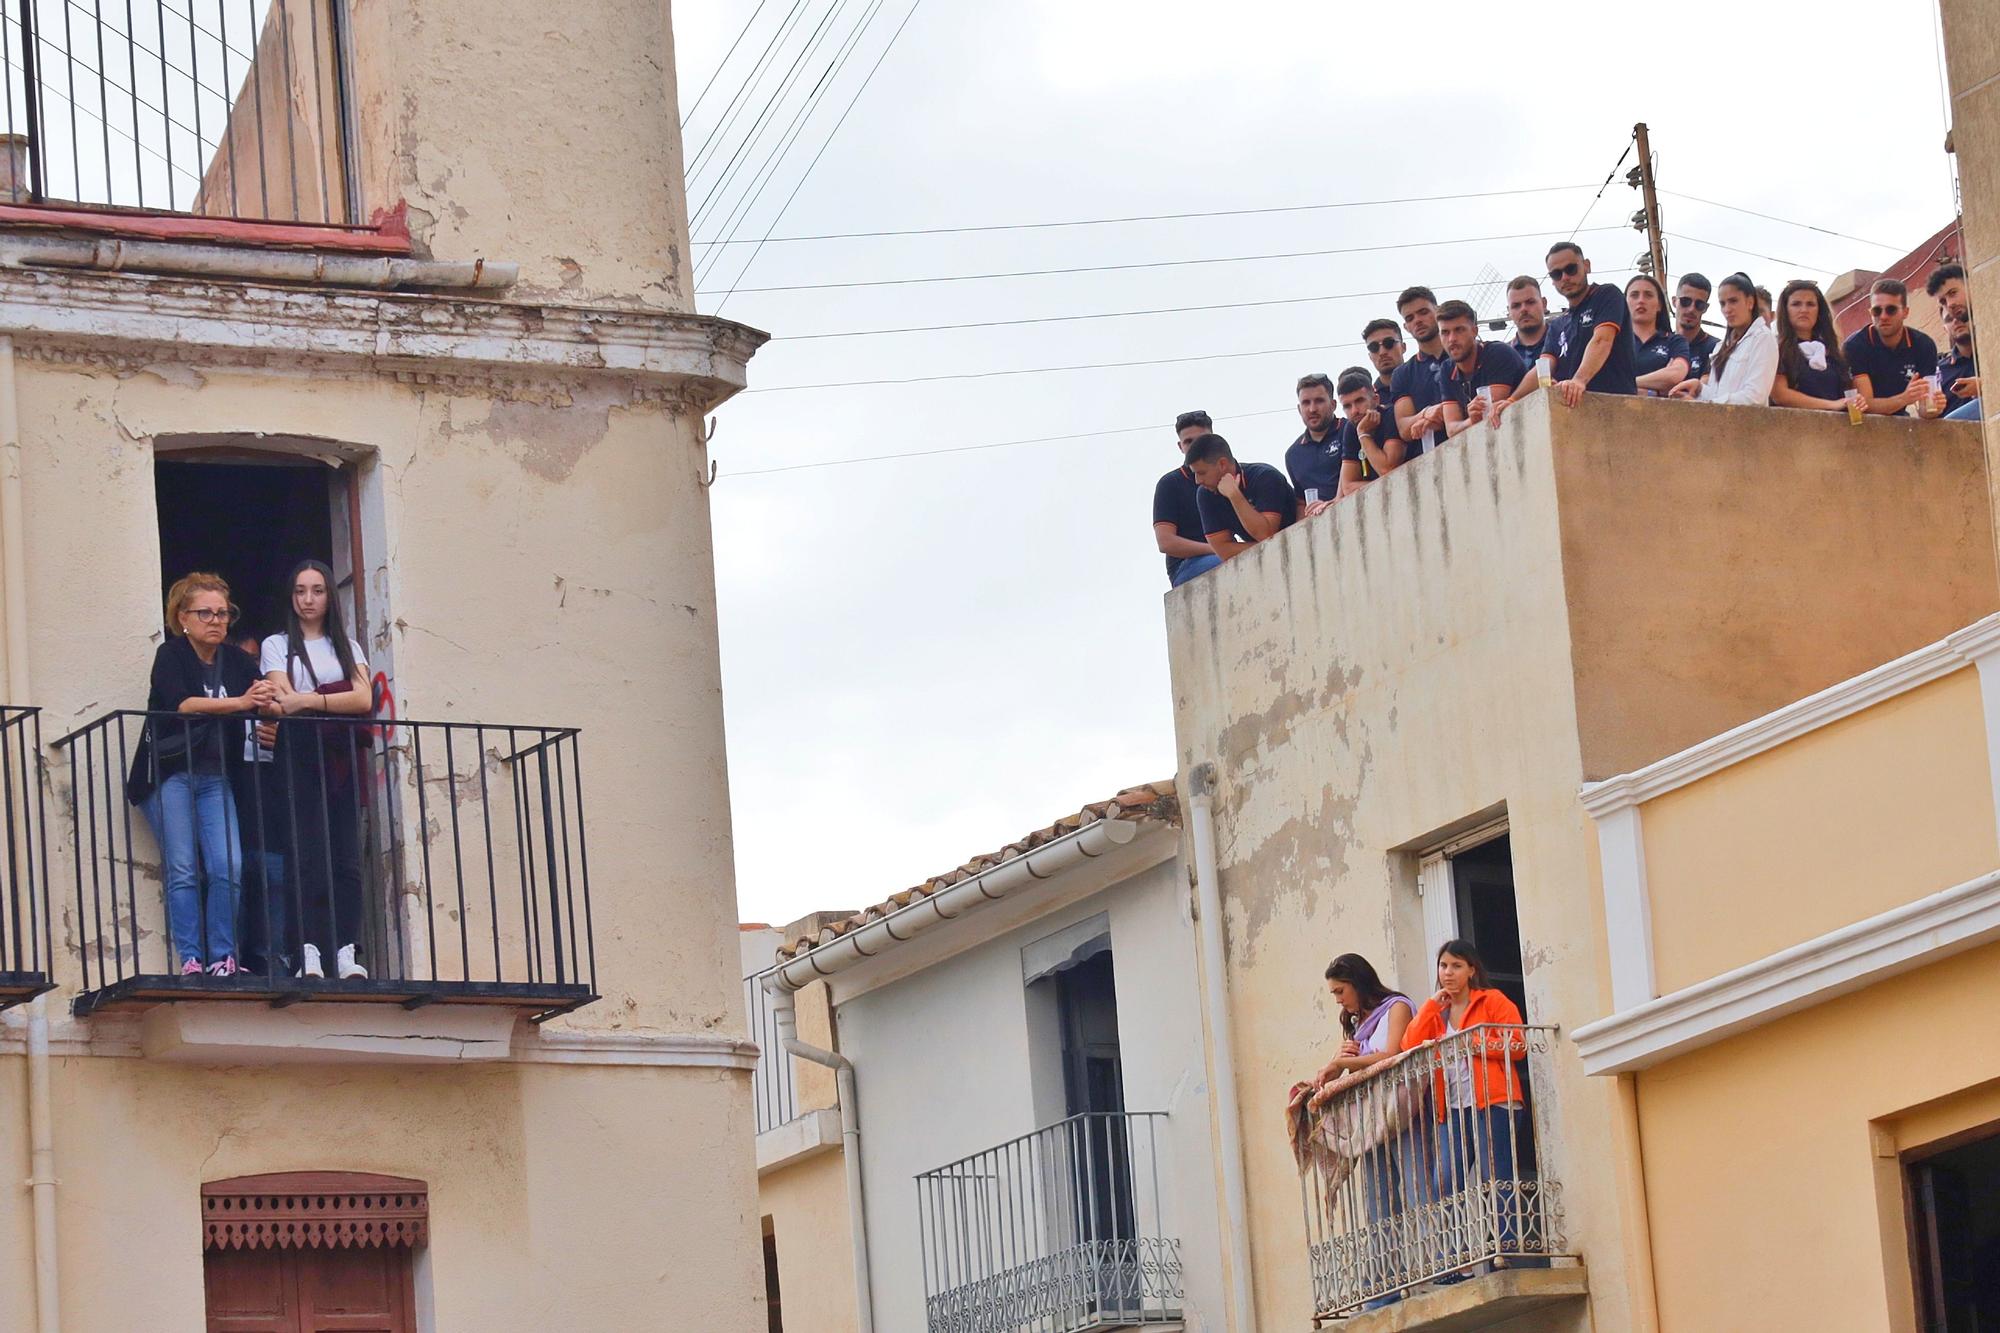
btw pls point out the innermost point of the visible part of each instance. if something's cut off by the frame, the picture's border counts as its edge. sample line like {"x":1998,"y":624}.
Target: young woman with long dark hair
{"x":1663,"y":355}
{"x":318,"y":671}
{"x":1372,"y":1016}
{"x":180,"y":771}
{"x":1812,"y":371}
{"x":1745,"y":366}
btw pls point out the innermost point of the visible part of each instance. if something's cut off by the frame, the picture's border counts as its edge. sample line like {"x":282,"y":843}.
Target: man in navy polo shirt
{"x":1888,"y":358}
{"x":1958,"y":375}
{"x":1177,"y":516}
{"x":1313,"y":461}
{"x":1593,"y":346}
{"x":1369,"y":445}
{"x":1241,"y":505}
{"x":1690,"y":304}
{"x":1474,"y":365}
{"x":1414,"y":389}
{"x":1530,"y":316}
{"x":1384,"y":340}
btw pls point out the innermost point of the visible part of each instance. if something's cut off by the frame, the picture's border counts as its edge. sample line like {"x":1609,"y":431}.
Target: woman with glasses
{"x":1747,"y":362}
{"x":1663,"y":354}
{"x":180,"y":772}
{"x":1812,"y":371}
{"x":317,"y":671}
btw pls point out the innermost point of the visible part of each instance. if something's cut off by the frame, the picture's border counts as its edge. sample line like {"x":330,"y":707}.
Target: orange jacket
{"x":1490,"y":1051}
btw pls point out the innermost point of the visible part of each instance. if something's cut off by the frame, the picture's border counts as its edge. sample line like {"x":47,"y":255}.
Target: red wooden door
{"x":359,"y":1290}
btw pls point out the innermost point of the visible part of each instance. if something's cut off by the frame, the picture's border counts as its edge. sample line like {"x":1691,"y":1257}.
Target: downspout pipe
{"x":14,"y":638}
{"x":1222,"y":1047}
{"x":245,"y":263}
{"x":785,"y":1011}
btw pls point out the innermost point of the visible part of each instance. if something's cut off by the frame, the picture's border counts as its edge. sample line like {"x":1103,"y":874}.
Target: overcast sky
{"x":925,"y":658}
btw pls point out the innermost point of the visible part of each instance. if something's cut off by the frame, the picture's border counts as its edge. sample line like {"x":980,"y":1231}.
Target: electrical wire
{"x":1157,"y":263}
{"x":716,"y":73}
{"x":1054,"y":370}
{"x":1607,"y":185}
{"x":1153,"y":217}
{"x":739,"y":99}
{"x":789,"y":80}
{"x":1771,"y":217}
{"x":1738,"y":250}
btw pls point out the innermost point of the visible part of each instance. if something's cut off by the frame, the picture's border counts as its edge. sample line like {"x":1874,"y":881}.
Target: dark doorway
{"x":250,"y":523}
{"x":1093,"y":1076}
{"x":1954,"y":1201}
{"x":1483,"y":879}
{"x":773,"y":1306}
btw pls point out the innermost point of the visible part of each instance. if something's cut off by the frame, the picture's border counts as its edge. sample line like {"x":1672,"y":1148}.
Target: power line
{"x":1152,"y":217}
{"x":1602,"y":188}
{"x":827,"y":143}
{"x":1158,"y":263}
{"x":1052,"y":370}
{"x":1772,"y":217}
{"x":739,"y":99}
{"x":1754,"y":254}
{"x":996,"y":444}
{"x":719,"y":187}
{"x":716,"y":73}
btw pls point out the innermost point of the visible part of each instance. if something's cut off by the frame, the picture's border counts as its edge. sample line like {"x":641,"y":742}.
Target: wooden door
{"x":360,"y":1290}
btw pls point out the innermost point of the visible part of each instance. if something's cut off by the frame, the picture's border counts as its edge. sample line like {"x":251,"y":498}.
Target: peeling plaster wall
{"x":1971,"y":48}
{"x":520,"y":131}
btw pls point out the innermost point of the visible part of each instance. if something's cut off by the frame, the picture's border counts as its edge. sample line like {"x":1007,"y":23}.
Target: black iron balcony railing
{"x":1428,"y":1170}
{"x":27,"y":936}
{"x":775,"y":1094}
{"x":448,"y":856}
{"x":1057,"y":1231}
{"x":225,"y":108}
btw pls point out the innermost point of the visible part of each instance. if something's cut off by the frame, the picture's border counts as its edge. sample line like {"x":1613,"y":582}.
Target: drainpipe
{"x":1222,"y":1048}
{"x":785,"y":1010}
{"x":235,"y":262}
{"x":14,"y":636}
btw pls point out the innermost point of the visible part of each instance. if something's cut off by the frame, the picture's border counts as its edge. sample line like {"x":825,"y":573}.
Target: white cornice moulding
{"x":1900,"y":940}
{"x":805,"y":1135}
{"x":1966,"y":647}
{"x":585,"y":1046}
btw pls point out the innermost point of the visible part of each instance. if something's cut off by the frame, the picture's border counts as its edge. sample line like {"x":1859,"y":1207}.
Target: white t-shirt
{"x":319,"y":652}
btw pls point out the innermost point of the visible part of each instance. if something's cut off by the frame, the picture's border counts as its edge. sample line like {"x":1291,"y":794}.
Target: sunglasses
{"x":1382,"y":344}
{"x":1890,"y":309}
{"x":1694,"y":303}
{"x":1568,"y":270}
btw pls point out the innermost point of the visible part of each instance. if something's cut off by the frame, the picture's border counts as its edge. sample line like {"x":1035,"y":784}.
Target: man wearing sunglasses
{"x":1889,"y":359}
{"x":1689,"y":306}
{"x":1593,"y":346}
{"x":1384,"y":340}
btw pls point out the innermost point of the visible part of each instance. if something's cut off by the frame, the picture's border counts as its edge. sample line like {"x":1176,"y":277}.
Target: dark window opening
{"x":1483,"y":880}
{"x":773,"y":1315}
{"x":1954,"y":1199}
{"x":250,"y":523}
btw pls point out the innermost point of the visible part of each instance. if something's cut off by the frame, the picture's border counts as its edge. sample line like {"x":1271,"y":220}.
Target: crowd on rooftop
{"x":1361,"y":425}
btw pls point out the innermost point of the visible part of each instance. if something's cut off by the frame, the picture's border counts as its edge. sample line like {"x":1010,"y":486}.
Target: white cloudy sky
{"x":924,"y":658}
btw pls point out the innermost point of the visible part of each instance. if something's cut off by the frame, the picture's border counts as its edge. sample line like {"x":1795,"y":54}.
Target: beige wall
{"x":1770,"y":1205}
{"x":805,"y":1206}
{"x":516,"y":136}
{"x":1861,"y":816}
{"x":1972,"y":65}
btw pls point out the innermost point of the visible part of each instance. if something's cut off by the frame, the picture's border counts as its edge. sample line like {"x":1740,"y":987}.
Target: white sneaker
{"x":345,"y":966}
{"x":311,"y":967}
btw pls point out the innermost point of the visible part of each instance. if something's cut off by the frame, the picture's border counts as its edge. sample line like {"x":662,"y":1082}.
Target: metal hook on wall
{"x":707,"y":434}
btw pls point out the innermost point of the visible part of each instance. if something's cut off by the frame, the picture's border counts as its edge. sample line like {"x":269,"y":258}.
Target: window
{"x":773,"y":1313}
{"x":306,"y":1252}
{"x":1468,"y":893}
{"x":1954,"y":1210}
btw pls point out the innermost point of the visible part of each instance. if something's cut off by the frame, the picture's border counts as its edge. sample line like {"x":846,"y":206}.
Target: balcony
{"x":27,"y":936}
{"x":1058,"y":1231}
{"x":452,"y":854}
{"x":1426,"y":1202}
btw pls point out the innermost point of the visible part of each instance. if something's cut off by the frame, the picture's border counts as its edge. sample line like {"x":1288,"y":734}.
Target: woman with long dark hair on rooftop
{"x":1812,"y":370}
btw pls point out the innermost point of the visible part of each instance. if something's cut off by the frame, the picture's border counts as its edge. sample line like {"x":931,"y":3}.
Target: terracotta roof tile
{"x":1154,"y":801}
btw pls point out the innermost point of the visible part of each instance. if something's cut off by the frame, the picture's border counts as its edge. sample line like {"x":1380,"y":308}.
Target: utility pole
{"x":1648,"y":220}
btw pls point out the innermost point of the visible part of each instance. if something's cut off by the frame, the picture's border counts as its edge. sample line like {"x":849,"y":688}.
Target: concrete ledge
{"x":222,"y":1033}
{"x":807,"y":1135}
{"x":1481,"y":1302}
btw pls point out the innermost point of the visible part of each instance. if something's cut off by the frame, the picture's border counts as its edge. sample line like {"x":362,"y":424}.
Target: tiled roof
{"x":1154,"y":801}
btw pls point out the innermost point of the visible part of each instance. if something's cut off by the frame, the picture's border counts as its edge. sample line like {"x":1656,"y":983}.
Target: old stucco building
{"x":462,"y":366}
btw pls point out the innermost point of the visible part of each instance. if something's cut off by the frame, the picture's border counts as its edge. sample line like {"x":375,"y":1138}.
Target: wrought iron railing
{"x":1057,"y":1231}
{"x":1427,"y":1169}
{"x":772,"y":1085}
{"x":228,"y":108}
{"x":451,"y":855}
{"x":27,"y":938}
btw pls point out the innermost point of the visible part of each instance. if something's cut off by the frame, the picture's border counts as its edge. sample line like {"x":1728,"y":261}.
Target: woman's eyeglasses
{"x":209,"y":616}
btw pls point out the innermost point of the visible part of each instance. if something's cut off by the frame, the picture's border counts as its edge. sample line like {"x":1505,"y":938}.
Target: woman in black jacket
{"x":179,"y":776}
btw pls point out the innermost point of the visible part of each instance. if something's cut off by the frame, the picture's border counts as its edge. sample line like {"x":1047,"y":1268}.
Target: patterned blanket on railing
{"x":1354,"y":1119}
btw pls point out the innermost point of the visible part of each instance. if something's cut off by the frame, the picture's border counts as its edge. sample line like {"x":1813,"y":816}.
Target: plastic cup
{"x":1312,"y":495}
{"x":1546,"y":369}
{"x":1855,"y":412}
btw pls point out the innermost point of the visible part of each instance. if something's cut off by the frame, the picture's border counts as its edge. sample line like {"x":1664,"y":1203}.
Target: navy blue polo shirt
{"x":1493,"y":363}
{"x":1531,"y":352}
{"x":1602,"y":304}
{"x":1385,"y":431}
{"x":1950,"y":370}
{"x":1829,"y":383}
{"x":1654,"y":353}
{"x":1315,"y":464}
{"x":1383,"y":390}
{"x":1889,"y":368}
{"x":1266,"y":489}
{"x":1174,"y":502}
{"x":1701,"y":353}
{"x":1417,"y":380}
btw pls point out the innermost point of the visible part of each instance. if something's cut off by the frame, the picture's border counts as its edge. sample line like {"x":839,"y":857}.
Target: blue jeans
{"x":1965,"y":412}
{"x":1194,"y":567}
{"x":1481,"y":1147}
{"x":194,"y":817}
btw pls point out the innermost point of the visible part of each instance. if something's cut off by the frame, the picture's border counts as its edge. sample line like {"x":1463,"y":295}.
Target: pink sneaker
{"x":225,"y":968}
{"x":191,"y":967}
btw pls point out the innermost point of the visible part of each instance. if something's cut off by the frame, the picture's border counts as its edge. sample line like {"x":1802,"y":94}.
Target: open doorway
{"x":250,"y":523}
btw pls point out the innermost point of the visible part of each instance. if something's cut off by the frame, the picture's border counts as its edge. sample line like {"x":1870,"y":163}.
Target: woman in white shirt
{"x":1746,"y":365}
{"x":319,"y":671}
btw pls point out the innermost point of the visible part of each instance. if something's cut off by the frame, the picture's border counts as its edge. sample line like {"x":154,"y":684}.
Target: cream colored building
{"x":491,"y":425}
